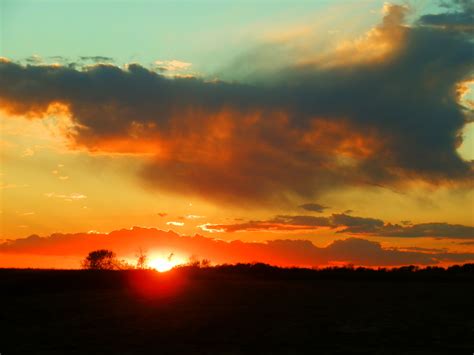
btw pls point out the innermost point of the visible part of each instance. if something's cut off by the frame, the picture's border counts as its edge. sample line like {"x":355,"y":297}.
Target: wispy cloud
{"x":313,"y":207}
{"x":194,"y":216}
{"x":97,"y":59}
{"x":66,"y":197}
{"x":175,"y":224}
{"x":171,"y":65}
{"x":28,"y":152}
{"x":12,"y":186}
{"x":25,"y":213}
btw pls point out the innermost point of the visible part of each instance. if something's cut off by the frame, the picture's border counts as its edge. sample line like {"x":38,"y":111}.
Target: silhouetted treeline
{"x":31,"y":280}
{"x":265,"y":271}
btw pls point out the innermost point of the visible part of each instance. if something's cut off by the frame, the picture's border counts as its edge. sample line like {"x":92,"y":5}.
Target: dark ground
{"x":236,"y":311}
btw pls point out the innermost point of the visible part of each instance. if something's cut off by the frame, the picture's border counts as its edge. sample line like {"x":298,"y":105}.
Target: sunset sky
{"x":291,"y":132}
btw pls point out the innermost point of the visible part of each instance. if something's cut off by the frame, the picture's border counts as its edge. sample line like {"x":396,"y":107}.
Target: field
{"x":236,"y":310}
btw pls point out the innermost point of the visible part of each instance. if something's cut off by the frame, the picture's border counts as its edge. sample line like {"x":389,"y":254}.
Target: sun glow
{"x":163,"y":264}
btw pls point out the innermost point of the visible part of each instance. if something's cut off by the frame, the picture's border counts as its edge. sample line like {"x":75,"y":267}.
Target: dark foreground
{"x":236,"y":311}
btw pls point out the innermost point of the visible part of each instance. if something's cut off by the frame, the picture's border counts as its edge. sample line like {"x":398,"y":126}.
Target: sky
{"x":298,"y":133}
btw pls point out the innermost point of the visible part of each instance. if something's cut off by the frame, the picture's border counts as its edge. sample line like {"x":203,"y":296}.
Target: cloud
{"x":347,"y":224}
{"x":11,"y":186}
{"x":426,"y":250}
{"x":171,"y":65}
{"x":460,"y":17}
{"x":437,"y":230}
{"x":34,"y":59}
{"x":280,"y":252}
{"x":70,"y":197}
{"x":381,"y":110}
{"x":97,"y":59}
{"x":58,"y":58}
{"x":58,"y":173}
{"x":193,"y":216}
{"x":28,"y":152}
{"x":26,"y":213}
{"x":314,"y":207}
{"x":279,"y":223}
{"x":356,"y":225}
{"x":175,"y":224}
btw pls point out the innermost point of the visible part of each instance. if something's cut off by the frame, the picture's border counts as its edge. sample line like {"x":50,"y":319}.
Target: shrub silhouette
{"x":101,"y":259}
{"x":195,"y":262}
{"x":205,"y":263}
{"x":142,"y":259}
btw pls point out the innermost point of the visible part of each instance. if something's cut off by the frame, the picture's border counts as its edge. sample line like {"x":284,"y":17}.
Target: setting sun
{"x":163,"y":264}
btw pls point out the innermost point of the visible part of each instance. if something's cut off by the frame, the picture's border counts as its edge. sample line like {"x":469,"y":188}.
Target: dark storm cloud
{"x":350,"y":225}
{"x":313,"y":207}
{"x":460,"y":16}
{"x":299,"y":131}
{"x":280,"y":252}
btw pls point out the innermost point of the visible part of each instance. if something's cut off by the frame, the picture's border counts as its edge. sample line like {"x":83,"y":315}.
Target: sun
{"x":163,"y":264}
{"x":160,"y":264}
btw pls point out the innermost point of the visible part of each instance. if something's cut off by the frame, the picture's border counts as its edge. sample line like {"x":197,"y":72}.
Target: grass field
{"x":235,"y":311}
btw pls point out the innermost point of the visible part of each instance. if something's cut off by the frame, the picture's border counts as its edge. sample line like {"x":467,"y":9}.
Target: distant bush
{"x":195,"y":262}
{"x":101,"y":259}
{"x":142,"y":259}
